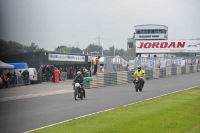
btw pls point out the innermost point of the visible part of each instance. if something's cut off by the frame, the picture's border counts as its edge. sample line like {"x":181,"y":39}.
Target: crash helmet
{"x":139,"y":67}
{"x":79,"y":73}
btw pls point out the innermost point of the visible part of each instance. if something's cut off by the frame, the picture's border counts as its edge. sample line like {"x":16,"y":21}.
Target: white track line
{"x":108,"y":109}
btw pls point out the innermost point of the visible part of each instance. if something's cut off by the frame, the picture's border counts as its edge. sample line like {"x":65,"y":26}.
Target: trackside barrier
{"x":149,"y":73}
{"x":198,"y":67}
{"x":124,"y":77}
{"x":183,"y":70}
{"x":168,"y":72}
{"x":156,"y":73}
{"x":26,"y":80}
{"x":173,"y":71}
{"x":20,"y":81}
{"x":187,"y":69}
{"x":63,"y":76}
{"x":178,"y":70}
{"x":195,"y":68}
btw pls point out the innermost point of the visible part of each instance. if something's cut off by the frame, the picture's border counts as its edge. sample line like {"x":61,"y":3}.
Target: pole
{"x":114,"y":49}
{"x":102,"y":49}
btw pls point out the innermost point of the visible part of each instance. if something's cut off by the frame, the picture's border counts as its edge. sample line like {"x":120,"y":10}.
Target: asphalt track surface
{"x":29,"y":113}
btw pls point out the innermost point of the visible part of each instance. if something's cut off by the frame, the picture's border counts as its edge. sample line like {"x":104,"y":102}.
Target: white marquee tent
{"x":5,"y":65}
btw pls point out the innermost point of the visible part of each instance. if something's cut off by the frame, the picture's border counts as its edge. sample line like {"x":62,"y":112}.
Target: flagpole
{"x":102,"y":49}
{"x":114,"y":49}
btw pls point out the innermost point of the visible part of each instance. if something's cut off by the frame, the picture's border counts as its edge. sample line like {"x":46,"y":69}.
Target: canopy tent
{"x":5,"y":65}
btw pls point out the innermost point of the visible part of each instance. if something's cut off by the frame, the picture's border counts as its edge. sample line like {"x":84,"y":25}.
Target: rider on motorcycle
{"x":139,"y":73}
{"x":79,"y":79}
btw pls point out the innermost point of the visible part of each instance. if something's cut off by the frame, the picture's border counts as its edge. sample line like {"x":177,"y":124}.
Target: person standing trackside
{"x":47,"y":75}
{"x":19,"y":78}
{"x":56,"y":72}
{"x":66,"y":73}
{"x":5,"y":80}
{"x":71,"y":73}
{"x":101,"y":70}
{"x":96,"y":62}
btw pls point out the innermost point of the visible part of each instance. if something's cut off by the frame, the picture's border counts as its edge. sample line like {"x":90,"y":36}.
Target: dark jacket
{"x":78,"y":79}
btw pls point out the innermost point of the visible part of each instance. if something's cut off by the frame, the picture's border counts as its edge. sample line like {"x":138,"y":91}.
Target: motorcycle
{"x":44,"y":78}
{"x":138,"y":84}
{"x":78,"y":92}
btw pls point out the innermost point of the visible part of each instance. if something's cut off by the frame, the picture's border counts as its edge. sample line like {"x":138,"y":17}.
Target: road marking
{"x":108,"y":109}
{"x":34,"y":95}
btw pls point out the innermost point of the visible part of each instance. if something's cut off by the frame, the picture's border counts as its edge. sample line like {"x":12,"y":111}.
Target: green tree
{"x":93,"y":47}
{"x":66,"y":49}
{"x":120,"y":52}
{"x":12,"y":47}
{"x":75,"y":50}
{"x":31,"y":48}
{"x":107,"y":52}
{"x":63,"y":49}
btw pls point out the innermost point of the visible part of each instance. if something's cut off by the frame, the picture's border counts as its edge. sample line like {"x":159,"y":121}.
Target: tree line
{"x":12,"y":47}
{"x":90,"y":48}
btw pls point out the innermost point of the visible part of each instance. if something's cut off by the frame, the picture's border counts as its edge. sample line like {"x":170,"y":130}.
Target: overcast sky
{"x":50,"y":23}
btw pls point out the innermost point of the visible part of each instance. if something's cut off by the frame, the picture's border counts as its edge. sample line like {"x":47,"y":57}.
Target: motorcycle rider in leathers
{"x":79,"y":79}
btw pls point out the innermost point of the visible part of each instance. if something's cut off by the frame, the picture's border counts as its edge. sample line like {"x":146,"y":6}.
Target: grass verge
{"x":174,"y":113}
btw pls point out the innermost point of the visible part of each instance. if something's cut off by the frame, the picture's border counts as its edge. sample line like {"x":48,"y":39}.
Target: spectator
{"x":10,"y":78}
{"x":115,"y":69}
{"x":101,"y":70}
{"x":47,"y":75}
{"x":77,"y":69}
{"x":66,"y":73}
{"x":19,"y":77}
{"x":126,"y":68}
{"x":15,"y":79}
{"x":96,"y":63}
{"x":5,"y":81}
{"x":71,"y":73}
{"x":25,"y":75}
{"x":84,"y":72}
{"x":56,"y":75}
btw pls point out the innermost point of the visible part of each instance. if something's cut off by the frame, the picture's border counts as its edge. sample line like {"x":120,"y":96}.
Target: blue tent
{"x":20,"y":65}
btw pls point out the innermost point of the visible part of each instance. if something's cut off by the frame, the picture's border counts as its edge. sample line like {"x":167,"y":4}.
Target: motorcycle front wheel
{"x":136,"y":86}
{"x":75,"y":94}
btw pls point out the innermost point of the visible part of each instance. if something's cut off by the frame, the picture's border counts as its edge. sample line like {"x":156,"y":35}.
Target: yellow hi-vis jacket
{"x":139,"y":74}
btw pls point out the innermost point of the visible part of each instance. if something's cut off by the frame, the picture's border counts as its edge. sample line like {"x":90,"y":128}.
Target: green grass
{"x":174,"y":113}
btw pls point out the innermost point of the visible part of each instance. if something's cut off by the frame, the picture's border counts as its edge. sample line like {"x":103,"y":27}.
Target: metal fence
{"x":18,"y":81}
{"x":161,"y":66}
{"x":63,"y":76}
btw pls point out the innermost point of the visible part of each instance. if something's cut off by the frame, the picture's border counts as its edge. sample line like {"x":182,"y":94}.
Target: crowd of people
{"x":10,"y":79}
{"x":56,"y":74}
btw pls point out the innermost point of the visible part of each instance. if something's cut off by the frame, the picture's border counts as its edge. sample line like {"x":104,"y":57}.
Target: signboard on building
{"x":63,"y":57}
{"x":151,"y":36}
{"x":165,"y":46}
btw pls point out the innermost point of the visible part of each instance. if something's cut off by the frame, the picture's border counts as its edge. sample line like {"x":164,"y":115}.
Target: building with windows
{"x":151,"y":32}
